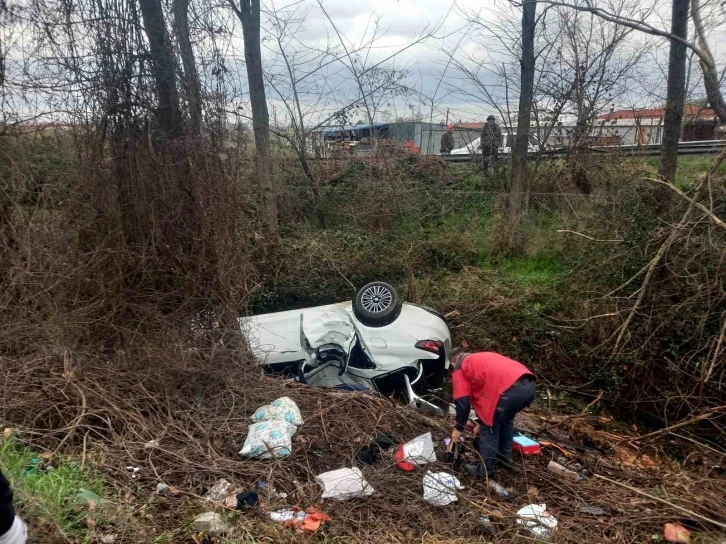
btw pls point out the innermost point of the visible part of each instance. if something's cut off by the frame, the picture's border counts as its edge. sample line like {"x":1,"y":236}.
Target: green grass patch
{"x":689,"y":168}
{"x":539,"y":271}
{"x":48,"y":495}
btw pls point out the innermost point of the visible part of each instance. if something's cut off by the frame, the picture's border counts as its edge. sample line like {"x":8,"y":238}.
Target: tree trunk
{"x":711,"y":81}
{"x":191,"y":78}
{"x":162,"y":68}
{"x":675,"y":101}
{"x":248,"y":13}
{"x":518,"y":182}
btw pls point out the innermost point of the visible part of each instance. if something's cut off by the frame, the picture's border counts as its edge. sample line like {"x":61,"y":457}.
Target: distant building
{"x":644,"y":126}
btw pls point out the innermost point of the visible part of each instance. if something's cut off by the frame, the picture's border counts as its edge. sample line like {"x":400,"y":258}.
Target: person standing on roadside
{"x":491,"y":140}
{"x":12,"y":528}
{"x":497,"y":388}
{"x":447,"y":141}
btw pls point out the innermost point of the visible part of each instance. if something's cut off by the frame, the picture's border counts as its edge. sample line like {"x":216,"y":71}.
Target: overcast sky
{"x":429,"y":41}
{"x":431,"y":74}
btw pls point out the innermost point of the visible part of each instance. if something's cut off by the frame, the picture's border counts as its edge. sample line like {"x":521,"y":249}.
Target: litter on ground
{"x":537,"y":520}
{"x":419,"y":451}
{"x":219,"y":491}
{"x":370,"y":453}
{"x":439,"y":488}
{"x":268,"y":439}
{"x":525,"y":445}
{"x":344,"y":484}
{"x":245,"y":500}
{"x":282,"y":409}
{"x":565,"y":472}
{"x":211,"y":523}
{"x":675,"y":532}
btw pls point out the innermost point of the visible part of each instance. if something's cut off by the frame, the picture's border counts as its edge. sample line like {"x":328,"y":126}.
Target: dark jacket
{"x":491,"y":136}
{"x":447,"y":142}
{"x":7,"y":512}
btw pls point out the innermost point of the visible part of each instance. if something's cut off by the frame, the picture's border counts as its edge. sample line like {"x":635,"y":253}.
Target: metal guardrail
{"x":706,"y":147}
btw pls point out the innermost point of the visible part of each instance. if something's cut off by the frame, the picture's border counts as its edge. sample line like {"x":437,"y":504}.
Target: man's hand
{"x":477,"y":430}
{"x":455,"y":436}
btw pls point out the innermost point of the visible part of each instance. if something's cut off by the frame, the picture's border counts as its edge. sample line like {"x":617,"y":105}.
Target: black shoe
{"x":506,"y":464}
{"x":473,"y":470}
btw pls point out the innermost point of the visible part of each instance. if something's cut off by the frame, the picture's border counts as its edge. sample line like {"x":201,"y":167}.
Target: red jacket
{"x":482,"y":378}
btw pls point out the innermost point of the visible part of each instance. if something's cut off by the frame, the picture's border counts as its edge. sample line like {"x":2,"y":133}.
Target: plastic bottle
{"x":498,"y":489}
{"x":564,"y":472}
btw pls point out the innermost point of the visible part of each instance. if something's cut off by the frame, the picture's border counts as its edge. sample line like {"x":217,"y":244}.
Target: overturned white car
{"x":374,"y":342}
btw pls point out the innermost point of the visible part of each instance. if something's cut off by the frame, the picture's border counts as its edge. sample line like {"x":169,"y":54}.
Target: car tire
{"x":377,"y":304}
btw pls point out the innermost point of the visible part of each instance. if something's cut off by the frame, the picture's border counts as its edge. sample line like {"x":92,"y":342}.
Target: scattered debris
{"x":162,"y":489}
{"x":245,"y":500}
{"x":211,"y":523}
{"x":309,"y":521}
{"x":558,"y":469}
{"x":287,"y":514}
{"x":268,"y":439}
{"x":537,"y":520}
{"x":262,"y":484}
{"x":86,"y":496}
{"x":314,"y":518}
{"x":151,"y":444}
{"x":675,"y":532}
{"x":219,"y":491}
{"x":488,"y":522}
{"x":32,"y":466}
{"x":108,"y":539}
{"x":369,"y":454}
{"x":282,"y":409}
{"x":525,"y":445}
{"x":497,"y":488}
{"x":592,"y":510}
{"x":416,"y":452}
{"x":134,"y":471}
{"x":439,"y":488}
{"x":401,"y":462}
{"x":562,"y":450}
{"x":343,"y":484}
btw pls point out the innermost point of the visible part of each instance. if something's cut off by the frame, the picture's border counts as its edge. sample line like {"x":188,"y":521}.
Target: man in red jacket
{"x":497,"y":388}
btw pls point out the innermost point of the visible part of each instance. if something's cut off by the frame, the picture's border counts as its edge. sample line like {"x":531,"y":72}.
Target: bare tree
{"x":676,"y":97}
{"x":163,"y":68}
{"x":186,"y":52}
{"x":248,"y":14}
{"x":711,"y":80}
{"x":641,"y":23}
{"x":518,"y":177}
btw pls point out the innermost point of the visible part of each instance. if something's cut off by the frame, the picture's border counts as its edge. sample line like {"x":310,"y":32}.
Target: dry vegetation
{"x":134,"y":236}
{"x":107,"y":346}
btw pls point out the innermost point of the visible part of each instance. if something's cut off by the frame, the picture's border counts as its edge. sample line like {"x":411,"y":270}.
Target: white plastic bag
{"x":282,"y":409}
{"x":268,"y":439}
{"x":420,"y":450}
{"x":439,"y":488}
{"x":537,"y":520}
{"x":343,"y":484}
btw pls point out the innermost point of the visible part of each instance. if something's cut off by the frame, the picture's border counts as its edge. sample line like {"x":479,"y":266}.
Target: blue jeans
{"x":495,"y":442}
